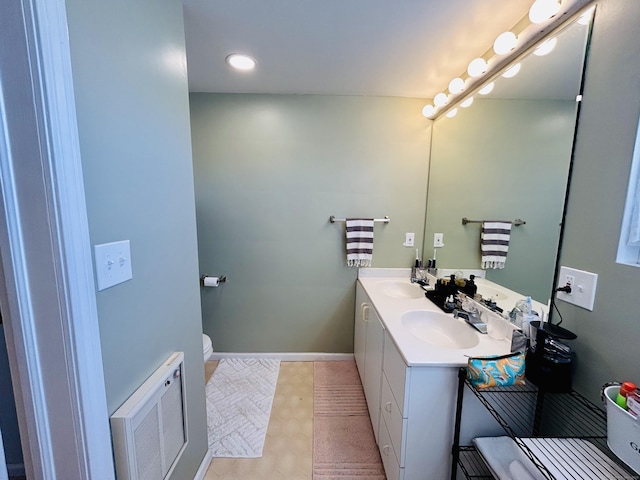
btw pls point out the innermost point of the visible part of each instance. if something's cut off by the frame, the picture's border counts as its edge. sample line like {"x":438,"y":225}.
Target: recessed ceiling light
{"x":241,"y":62}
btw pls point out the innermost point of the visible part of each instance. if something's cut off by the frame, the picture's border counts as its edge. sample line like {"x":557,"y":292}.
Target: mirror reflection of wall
{"x":508,"y":157}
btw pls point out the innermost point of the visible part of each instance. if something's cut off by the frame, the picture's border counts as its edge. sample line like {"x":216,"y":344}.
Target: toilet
{"x":207,"y":347}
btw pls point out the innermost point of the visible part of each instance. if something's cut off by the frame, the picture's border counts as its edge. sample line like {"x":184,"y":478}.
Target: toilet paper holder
{"x":211,"y":280}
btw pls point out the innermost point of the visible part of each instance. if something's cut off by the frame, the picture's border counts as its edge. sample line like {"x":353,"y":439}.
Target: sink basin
{"x":401,"y":290}
{"x":439,"y":329}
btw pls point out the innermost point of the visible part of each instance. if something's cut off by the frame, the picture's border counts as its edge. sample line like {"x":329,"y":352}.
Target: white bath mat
{"x":239,"y":398}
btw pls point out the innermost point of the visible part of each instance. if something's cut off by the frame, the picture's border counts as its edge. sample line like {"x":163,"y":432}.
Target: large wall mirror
{"x":508,"y":157}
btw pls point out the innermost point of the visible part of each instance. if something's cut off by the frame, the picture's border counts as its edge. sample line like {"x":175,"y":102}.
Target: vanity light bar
{"x":528,"y":39}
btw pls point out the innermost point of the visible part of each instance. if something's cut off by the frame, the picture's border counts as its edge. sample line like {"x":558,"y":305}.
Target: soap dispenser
{"x":470,"y":287}
{"x":453,"y":288}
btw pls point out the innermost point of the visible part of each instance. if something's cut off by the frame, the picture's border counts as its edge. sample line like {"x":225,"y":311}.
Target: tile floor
{"x":288,"y":450}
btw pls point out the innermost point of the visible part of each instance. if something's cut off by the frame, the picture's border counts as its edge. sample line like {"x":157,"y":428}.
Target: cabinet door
{"x":374,"y":348}
{"x":360,"y":330}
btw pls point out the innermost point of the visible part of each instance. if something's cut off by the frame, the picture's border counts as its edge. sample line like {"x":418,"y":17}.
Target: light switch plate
{"x":113,"y":263}
{"x":583,"y":287}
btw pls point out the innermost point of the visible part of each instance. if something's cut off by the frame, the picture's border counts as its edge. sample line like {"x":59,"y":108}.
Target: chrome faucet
{"x":419,"y":276}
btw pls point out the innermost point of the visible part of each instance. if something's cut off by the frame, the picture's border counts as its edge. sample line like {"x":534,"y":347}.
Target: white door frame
{"x":49,"y":300}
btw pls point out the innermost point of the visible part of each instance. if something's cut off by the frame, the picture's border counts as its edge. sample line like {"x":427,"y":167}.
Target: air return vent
{"x":149,"y":430}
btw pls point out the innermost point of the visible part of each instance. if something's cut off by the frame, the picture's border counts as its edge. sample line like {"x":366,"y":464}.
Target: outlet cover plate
{"x":113,"y":263}
{"x":583,"y":288}
{"x":438,"y":240}
{"x":409,"y":239}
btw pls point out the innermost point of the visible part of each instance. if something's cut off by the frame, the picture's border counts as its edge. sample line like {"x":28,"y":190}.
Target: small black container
{"x":546,"y":367}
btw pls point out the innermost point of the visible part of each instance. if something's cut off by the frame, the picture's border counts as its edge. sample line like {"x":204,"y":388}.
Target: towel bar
{"x":333,"y":219}
{"x":517,"y":222}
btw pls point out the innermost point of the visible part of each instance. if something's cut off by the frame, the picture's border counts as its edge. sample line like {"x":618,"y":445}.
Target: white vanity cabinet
{"x":360,"y":329}
{"x":411,"y":386}
{"x":368,"y":350}
{"x":415,"y":418}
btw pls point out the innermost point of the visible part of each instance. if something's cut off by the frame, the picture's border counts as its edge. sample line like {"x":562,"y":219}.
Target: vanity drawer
{"x":389,"y":460}
{"x":396,"y":371}
{"x":393,"y":419}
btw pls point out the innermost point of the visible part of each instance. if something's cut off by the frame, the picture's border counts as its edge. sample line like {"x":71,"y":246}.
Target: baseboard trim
{"x":204,"y":466}
{"x":287,"y":356}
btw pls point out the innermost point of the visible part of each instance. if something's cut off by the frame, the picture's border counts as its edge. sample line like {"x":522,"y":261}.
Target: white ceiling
{"x":408,"y":48}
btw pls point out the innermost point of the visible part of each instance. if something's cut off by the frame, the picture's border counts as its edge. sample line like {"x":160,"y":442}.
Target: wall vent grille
{"x":149,"y":430}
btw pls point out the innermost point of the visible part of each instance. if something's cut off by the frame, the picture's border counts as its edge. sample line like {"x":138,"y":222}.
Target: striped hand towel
{"x":494,"y":244}
{"x":359,"y":242}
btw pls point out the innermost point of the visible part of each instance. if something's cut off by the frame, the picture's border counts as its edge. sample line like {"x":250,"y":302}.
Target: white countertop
{"x":417,"y":352}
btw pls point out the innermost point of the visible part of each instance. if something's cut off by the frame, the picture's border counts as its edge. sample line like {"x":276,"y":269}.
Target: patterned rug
{"x":239,"y":398}
{"x":344,"y":446}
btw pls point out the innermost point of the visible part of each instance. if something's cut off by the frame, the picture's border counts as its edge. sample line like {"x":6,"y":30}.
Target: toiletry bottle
{"x":625,"y":389}
{"x":527,"y":315}
{"x":453,"y":288}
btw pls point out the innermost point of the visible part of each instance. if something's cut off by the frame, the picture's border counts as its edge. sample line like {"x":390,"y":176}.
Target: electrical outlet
{"x":569,"y":280}
{"x":438,"y":240}
{"x":583,"y":287}
{"x":409,"y":239}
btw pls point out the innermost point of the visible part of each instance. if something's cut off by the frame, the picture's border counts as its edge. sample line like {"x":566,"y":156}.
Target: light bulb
{"x":451,"y":113}
{"x":429,"y":110}
{"x":456,"y":85}
{"x":467,"y":102}
{"x":487,"y":89}
{"x":241,"y":62}
{"x":440,"y":100}
{"x":512,"y":71}
{"x":546,"y":47}
{"x":543,"y":10}
{"x":505,"y":43}
{"x":477,"y":67}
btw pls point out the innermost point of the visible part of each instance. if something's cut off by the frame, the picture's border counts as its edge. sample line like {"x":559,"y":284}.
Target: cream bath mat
{"x":239,"y":398}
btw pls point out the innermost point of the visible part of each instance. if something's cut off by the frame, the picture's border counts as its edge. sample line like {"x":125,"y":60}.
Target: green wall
{"x":502,"y":159}
{"x":608,"y":337}
{"x":129,"y":71}
{"x":270,"y":170}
